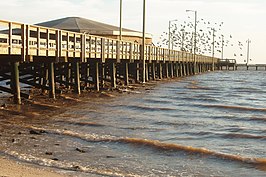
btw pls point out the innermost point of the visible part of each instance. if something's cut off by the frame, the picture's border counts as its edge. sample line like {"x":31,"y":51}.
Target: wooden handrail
{"x":43,"y":41}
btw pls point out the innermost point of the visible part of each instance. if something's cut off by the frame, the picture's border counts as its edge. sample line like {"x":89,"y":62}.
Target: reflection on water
{"x":205,"y":125}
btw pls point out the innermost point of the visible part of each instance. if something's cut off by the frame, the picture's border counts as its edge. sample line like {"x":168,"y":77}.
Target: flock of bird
{"x":208,"y":36}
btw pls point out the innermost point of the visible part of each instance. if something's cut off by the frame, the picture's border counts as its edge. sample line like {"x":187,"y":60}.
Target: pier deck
{"x":50,"y":59}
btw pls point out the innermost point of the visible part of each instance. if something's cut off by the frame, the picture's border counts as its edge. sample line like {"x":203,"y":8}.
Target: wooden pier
{"x":56,"y":60}
{"x":251,"y":66}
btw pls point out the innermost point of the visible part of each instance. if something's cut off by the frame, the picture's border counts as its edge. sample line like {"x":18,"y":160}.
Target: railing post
{"x":67,"y":52}
{"x":102,"y":50}
{"x":130,"y":52}
{"x":47,"y":42}
{"x":38,"y":41}
{"x":27,"y":42}
{"x":118,"y":51}
{"x":10,"y":38}
{"x":83,"y":47}
{"x":75,"y":43}
{"x":23,"y":40}
{"x":58,"y":44}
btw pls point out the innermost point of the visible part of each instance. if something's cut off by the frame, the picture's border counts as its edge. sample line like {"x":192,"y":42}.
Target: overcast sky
{"x":243,"y":19}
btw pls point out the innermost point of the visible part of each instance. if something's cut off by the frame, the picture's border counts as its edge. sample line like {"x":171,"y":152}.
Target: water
{"x":206,"y":125}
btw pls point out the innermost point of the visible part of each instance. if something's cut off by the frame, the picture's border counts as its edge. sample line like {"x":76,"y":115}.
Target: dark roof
{"x":82,"y":25}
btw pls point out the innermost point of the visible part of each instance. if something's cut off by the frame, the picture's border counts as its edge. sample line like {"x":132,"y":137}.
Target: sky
{"x":243,"y":19}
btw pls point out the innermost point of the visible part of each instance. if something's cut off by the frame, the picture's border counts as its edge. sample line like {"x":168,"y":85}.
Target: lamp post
{"x":213,"y":45}
{"x":120,"y":25}
{"x":143,"y":41}
{"x":195,"y":38}
{"x":170,"y":35}
{"x":248,"y":41}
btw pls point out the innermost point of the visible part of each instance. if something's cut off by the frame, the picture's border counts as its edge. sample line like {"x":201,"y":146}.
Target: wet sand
{"x":10,"y":168}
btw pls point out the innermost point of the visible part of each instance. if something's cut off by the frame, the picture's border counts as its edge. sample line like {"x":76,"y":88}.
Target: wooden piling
{"x":171,"y":70}
{"x":113,"y":74}
{"x":77,"y":77}
{"x":160,"y":70}
{"x":96,"y":76}
{"x":166,"y":67}
{"x":51,"y":80}
{"x":137,"y":72}
{"x":153,"y":71}
{"x":126,"y":73}
{"x":15,"y":82}
{"x":147,"y":72}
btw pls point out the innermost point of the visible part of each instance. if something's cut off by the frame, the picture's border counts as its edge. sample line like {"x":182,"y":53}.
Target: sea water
{"x":212,"y":124}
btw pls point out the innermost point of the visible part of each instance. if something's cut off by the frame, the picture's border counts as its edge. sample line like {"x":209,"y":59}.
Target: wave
{"x":244,"y":136}
{"x":159,"y":145}
{"x":261,"y":162}
{"x":70,"y":166}
{"x":146,"y":108}
{"x":91,"y":124}
{"x":158,"y":101}
{"x":237,"y":108}
{"x":260,"y":119}
{"x":190,"y":149}
{"x":196,"y":87}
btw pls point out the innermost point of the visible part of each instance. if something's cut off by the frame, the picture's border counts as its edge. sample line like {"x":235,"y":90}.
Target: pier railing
{"x":229,"y":61}
{"x":30,"y":40}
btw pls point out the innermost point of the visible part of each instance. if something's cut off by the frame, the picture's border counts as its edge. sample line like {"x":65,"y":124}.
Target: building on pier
{"x":82,"y":25}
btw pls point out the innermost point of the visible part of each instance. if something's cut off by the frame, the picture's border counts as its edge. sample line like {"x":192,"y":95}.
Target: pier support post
{"x":126,"y":73}
{"x":160,"y":71}
{"x":96,"y":76}
{"x":113,"y":75}
{"x":68,"y":74}
{"x":166,"y":70}
{"x":103,"y":75}
{"x":77,"y":77}
{"x":193,"y":69}
{"x":15,"y":82}
{"x":87,"y":74}
{"x":171,"y":70}
{"x":175,"y":69}
{"x":147,"y":72}
{"x":51,"y":80}
{"x":137,"y":72}
{"x":184,"y":69}
{"x":45,"y":77}
{"x":153,"y":71}
{"x":180,"y":69}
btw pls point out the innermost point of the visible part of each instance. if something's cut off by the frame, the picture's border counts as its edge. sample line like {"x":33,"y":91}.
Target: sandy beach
{"x":11,"y":168}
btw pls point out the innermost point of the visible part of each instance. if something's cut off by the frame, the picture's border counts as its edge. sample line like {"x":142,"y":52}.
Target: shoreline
{"x":41,"y":104}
